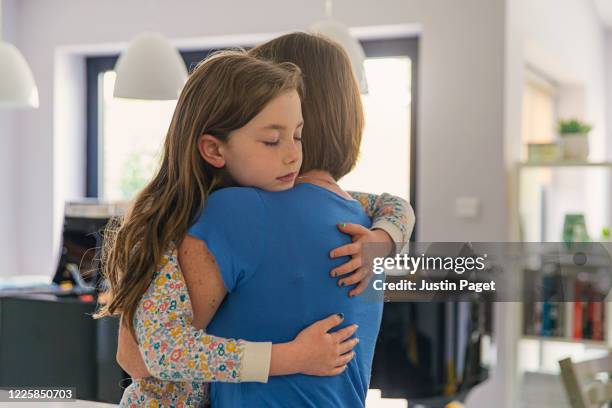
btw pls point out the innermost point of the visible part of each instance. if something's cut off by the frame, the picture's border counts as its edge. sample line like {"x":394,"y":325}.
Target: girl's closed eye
{"x":271,"y":142}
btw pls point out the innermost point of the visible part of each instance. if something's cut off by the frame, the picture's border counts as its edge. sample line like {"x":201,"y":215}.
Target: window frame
{"x":404,"y":47}
{"x":391,"y":47}
{"x":94,"y":67}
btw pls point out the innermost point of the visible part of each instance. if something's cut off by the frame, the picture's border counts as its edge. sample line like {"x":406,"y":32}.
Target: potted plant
{"x":574,"y":139}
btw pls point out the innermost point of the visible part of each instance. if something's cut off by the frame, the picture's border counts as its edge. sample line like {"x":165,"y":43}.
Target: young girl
{"x":169,"y":275}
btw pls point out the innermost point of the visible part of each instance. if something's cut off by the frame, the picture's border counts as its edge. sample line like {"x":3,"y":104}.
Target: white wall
{"x":460,"y":150}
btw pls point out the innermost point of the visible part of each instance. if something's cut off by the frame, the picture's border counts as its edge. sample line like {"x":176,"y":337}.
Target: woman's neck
{"x":324,"y":180}
{"x":319,"y":175}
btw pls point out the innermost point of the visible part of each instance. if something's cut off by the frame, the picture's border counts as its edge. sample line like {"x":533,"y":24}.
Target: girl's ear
{"x":211,"y":150}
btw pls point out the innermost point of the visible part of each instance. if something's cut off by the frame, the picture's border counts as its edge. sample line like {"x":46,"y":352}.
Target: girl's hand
{"x":324,"y":353}
{"x":315,"y":351}
{"x":360,"y":264}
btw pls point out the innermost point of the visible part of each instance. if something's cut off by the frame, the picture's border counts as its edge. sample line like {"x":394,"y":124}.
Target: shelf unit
{"x":546,"y":192}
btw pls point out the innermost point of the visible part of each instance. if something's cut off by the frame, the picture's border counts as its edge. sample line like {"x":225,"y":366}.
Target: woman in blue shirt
{"x":279,"y":241}
{"x":271,"y":248}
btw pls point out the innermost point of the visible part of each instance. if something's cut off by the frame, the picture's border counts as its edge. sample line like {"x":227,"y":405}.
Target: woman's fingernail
{"x":342,"y":283}
{"x":357,"y":340}
{"x":334,"y":274}
{"x":341,"y":316}
{"x":343,"y":225}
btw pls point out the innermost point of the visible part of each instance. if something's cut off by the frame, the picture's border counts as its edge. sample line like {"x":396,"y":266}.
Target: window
{"x":132,"y":134}
{"x":125,"y":136}
{"x":386,"y":160}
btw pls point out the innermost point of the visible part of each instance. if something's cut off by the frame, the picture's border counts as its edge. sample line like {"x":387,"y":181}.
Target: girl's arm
{"x":392,"y":224}
{"x":174,"y":346}
{"x":389,"y":213}
{"x":170,"y":344}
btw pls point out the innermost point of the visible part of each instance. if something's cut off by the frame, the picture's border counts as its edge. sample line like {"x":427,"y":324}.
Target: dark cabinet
{"x":46,"y":340}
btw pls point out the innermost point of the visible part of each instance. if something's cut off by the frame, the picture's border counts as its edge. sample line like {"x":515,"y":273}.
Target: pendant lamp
{"x":17,"y":86}
{"x":151,"y":68}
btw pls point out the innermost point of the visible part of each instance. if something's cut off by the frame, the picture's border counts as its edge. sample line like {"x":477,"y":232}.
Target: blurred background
{"x":491,"y":116}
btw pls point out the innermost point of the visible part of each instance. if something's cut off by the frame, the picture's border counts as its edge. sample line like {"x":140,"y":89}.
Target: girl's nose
{"x":292,"y":153}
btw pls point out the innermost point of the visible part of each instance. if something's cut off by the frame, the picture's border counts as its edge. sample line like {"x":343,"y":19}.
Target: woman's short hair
{"x":332,"y":109}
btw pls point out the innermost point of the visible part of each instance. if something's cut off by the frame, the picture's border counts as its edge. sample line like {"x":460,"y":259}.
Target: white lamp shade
{"x":17,"y":87}
{"x":151,"y":68}
{"x":340,"y":33}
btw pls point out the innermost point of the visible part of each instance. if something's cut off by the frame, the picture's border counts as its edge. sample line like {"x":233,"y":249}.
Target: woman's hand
{"x":315,"y":351}
{"x":378,"y":244}
{"x":128,"y":355}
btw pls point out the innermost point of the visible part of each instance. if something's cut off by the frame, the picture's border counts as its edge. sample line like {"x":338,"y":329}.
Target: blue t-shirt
{"x":272,"y":249}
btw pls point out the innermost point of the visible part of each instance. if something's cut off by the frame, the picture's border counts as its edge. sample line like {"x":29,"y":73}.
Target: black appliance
{"x":430,"y":352}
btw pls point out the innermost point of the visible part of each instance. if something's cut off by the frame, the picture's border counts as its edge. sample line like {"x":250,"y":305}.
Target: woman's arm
{"x":175,"y":348}
{"x":312,"y":352}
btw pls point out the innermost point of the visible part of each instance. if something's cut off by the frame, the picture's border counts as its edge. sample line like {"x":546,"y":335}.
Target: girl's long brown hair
{"x":222,"y":94}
